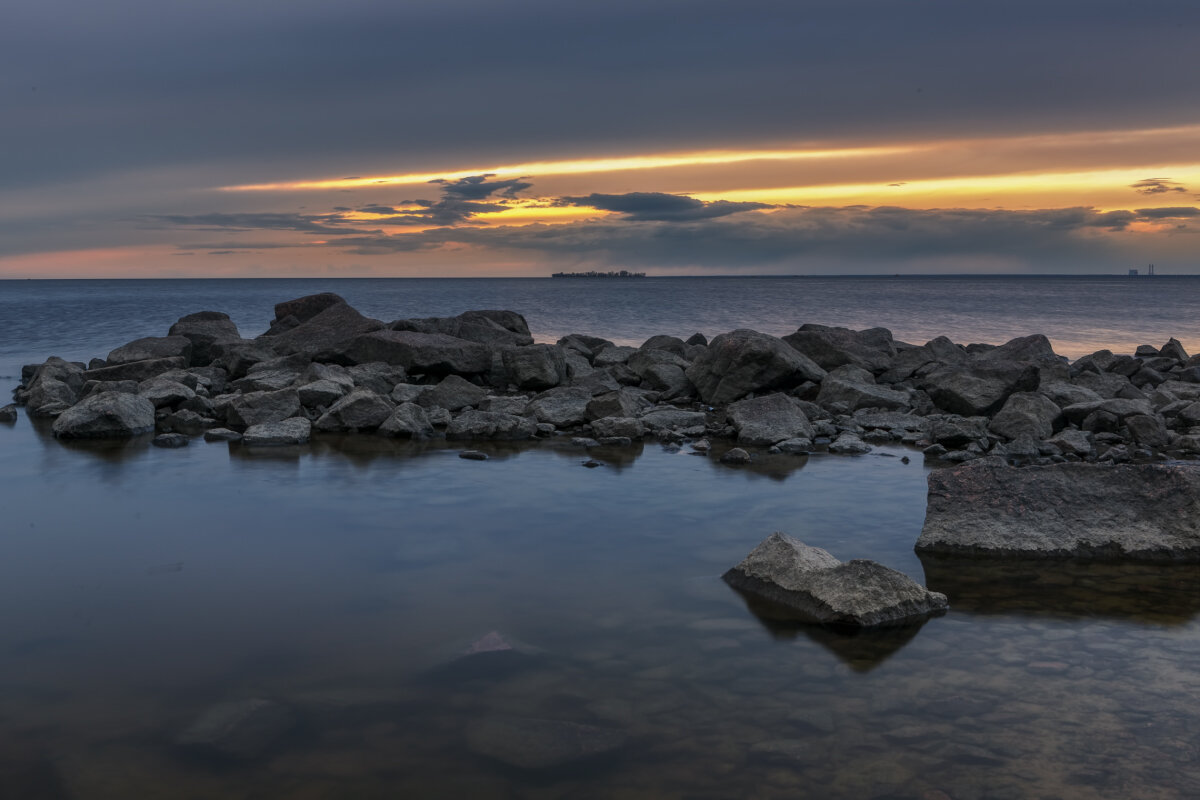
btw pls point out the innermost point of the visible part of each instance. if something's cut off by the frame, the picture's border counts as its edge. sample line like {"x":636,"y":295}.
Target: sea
{"x":362,"y":618}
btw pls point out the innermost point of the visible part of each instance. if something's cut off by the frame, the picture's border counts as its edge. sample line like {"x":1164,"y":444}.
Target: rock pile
{"x":324,"y":367}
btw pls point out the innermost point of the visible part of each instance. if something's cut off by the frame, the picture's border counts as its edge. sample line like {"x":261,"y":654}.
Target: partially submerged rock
{"x":537,"y":744}
{"x":813,"y":586}
{"x":1136,"y":512}
{"x":109,"y":415}
{"x":296,"y":430}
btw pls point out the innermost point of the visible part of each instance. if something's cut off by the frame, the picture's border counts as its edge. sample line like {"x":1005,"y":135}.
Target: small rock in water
{"x":8,"y":413}
{"x":735,"y":455}
{"x":615,"y":441}
{"x":170,"y":440}
{"x":584,"y":441}
{"x":592,"y":463}
{"x":240,"y":729}
{"x":221,"y":435}
{"x":904,"y":460}
{"x":473,"y":455}
{"x":702,"y":446}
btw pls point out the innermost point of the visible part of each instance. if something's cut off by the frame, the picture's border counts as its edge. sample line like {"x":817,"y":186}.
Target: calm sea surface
{"x":141,"y":588}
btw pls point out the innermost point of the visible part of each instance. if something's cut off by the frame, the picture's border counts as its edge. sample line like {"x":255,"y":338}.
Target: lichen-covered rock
{"x":813,"y":586}
{"x":108,"y":415}
{"x":1136,"y":512}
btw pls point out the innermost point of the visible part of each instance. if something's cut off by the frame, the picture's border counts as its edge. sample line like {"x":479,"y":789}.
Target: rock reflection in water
{"x":861,"y":649}
{"x":1156,"y":594}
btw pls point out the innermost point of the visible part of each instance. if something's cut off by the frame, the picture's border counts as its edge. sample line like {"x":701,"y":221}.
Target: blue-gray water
{"x":140,"y":586}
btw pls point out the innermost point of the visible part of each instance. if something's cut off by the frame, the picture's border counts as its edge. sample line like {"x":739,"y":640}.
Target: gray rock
{"x":170,"y":440}
{"x":189,"y":421}
{"x":1173,"y":349}
{"x":241,"y":729}
{"x":828,"y":347}
{"x":204,"y":329}
{"x":587,"y":346}
{"x":562,"y":407}
{"x":438,"y":417}
{"x":295,"y":430}
{"x":408,"y":421}
{"x":453,"y":393}
{"x":321,"y":394}
{"x":377,"y":376}
{"x":424,"y":353}
{"x":256,"y":408}
{"x":697,"y":340}
{"x":109,"y":415}
{"x":672,"y":344}
{"x":849,"y":444}
{"x":768,"y":419}
{"x":624,"y":402}
{"x":1065,"y":394}
{"x":152,"y":347}
{"x":540,"y":744}
{"x":846,"y":397}
{"x":164,"y":393}
{"x":96,"y":387}
{"x":491,"y":328}
{"x":361,"y":410}
{"x":473,"y":455}
{"x":974,"y":390}
{"x":1074,"y":442}
{"x":813,"y":586}
{"x":505,"y":405}
{"x":612,"y":354}
{"x":271,"y":376}
{"x":490,"y":425}
{"x":135,"y":370}
{"x":537,"y":367}
{"x":8,"y":413}
{"x":799,"y":446}
{"x":669,"y":418}
{"x":735,"y":455}
{"x":669,"y":380}
{"x":1104,"y":384}
{"x":221,"y":435}
{"x":311,"y":332}
{"x":407,"y":392}
{"x":1027,"y":414}
{"x":609,"y":427}
{"x":745,"y":361}
{"x":1143,"y":512}
{"x":1118,"y":407}
{"x":891,"y":420}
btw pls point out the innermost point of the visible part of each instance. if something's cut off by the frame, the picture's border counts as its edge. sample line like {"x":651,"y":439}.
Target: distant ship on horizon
{"x":622,"y":274}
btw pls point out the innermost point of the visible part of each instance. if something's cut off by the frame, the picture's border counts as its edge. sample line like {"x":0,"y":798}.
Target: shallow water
{"x":140,"y":586}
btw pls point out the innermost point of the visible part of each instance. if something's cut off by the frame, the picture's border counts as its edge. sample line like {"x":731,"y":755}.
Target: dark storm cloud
{"x":788,"y":236}
{"x":478,"y":187}
{"x":372,"y":209}
{"x":659,"y":206}
{"x":92,"y":88}
{"x":1173,"y":212}
{"x":1158,"y":186}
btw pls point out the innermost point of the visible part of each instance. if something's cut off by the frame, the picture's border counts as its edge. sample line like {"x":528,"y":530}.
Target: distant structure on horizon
{"x":622,"y":274}
{"x":1133,"y":273}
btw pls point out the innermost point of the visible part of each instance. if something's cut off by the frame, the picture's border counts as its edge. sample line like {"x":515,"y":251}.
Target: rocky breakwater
{"x":323,"y":367}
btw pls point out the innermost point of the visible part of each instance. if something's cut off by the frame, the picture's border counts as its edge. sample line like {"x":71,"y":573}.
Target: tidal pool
{"x":141,"y":588}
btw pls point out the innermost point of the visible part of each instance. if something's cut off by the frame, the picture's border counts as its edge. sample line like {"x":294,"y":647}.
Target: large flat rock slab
{"x":1135,"y":512}
{"x":815,"y":587}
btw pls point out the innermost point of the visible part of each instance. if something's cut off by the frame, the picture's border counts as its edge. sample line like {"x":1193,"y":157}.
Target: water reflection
{"x":1152,"y":594}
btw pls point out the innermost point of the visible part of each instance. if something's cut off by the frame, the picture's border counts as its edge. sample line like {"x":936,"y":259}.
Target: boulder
{"x":8,"y":413}
{"x":170,"y":441}
{"x":256,"y":408}
{"x":974,"y":390}
{"x":612,"y":354}
{"x":585,"y":345}
{"x":846,"y":397}
{"x":829,"y":348}
{"x":377,"y":376}
{"x":608,"y":427}
{"x":807,"y":584}
{"x":221,"y":435}
{"x":768,"y":419}
{"x":671,"y":344}
{"x":668,"y":418}
{"x":453,"y":393}
{"x":237,"y":356}
{"x":152,"y":347}
{"x":537,"y":367}
{"x":490,"y":425}
{"x":408,"y":421}
{"x":295,"y":430}
{"x":745,"y":361}
{"x":360,"y":410}
{"x":108,"y":415}
{"x":848,"y":443}
{"x":491,"y":328}
{"x":320,"y":394}
{"x":164,"y":393}
{"x":563,"y":407}
{"x":425,"y":353}
{"x":1135,"y":512}
{"x":506,"y":405}
{"x":324,"y":334}
{"x":621,"y":403}
{"x":204,"y":329}
{"x":1027,"y":414}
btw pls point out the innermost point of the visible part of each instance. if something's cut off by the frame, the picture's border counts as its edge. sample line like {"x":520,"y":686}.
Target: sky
{"x":465,"y":138}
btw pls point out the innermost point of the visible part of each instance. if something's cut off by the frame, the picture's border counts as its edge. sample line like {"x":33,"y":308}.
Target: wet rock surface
{"x":1145,"y":512}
